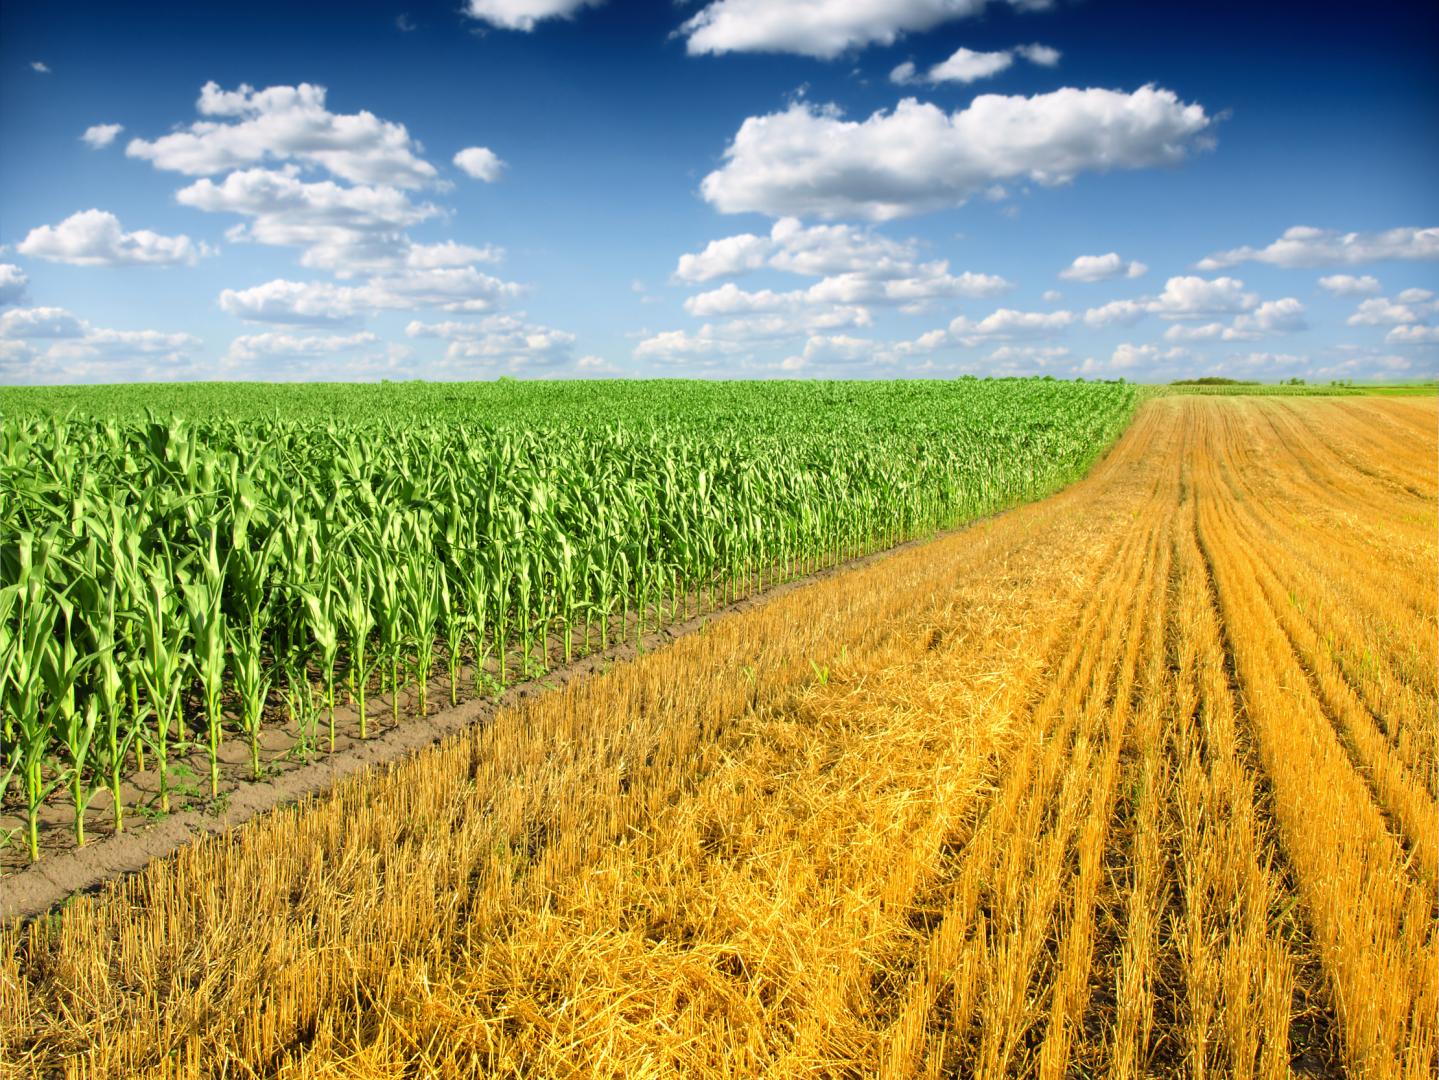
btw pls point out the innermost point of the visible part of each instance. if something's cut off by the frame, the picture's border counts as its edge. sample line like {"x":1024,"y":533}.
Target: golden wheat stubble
{"x":874,"y":826}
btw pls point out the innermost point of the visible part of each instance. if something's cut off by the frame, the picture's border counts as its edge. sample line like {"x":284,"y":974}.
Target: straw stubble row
{"x":1055,"y":794}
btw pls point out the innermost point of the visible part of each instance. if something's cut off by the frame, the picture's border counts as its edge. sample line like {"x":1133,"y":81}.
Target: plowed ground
{"x":1137,"y":781}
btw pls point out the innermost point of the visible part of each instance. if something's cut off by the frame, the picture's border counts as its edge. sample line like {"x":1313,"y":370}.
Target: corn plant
{"x":162,"y":670}
{"x":322,"y":619}
{"x":203,"y":598}
{"x":245,"y":543}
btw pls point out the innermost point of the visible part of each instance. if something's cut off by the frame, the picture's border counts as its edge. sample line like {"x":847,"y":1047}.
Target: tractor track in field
{"x":48,"y":883}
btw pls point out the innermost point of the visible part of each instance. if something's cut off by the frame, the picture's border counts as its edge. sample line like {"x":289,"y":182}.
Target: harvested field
{"x":1139,"y":780}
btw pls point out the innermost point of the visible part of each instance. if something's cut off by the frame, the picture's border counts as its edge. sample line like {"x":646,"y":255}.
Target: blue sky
{"x":720,"y":188}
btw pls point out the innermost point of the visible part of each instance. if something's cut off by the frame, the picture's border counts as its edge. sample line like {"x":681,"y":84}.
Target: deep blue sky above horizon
{"x":864,"y":190}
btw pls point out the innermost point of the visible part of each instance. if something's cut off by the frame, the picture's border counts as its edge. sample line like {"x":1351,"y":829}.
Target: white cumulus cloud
{"x":347,"y":229}
{"x":1188,"y":297}
{"x":321,"y":303}
{"x":101,"y":135}
{"x":811,"y":161}
{"x":1043,"y":55}
{"x":41,"y":322}
{"x":480,"y":163}
{"x":270,"y":345}
{"x":968,"y":65}
{"x":12,"y":284}
{"x":1117,"y":311}
{"x":51,"y":345}
{"x":832,"y":351}
{"x":1185,"y":297}
{"x":1413,"y":335}
{"x":1007,"y":324}
{"x":1381,"y":311}
{"x":247,"y":127}
{"x":1349,"y":285}
{"x":1284,"y":316}
{"x":1195,"y":332}
{"x":857,"y":268}
{"x":681,"y":346}
{"x":1102,"y":267}
{"x":498,"y":340}
{"x":1304,"y":245}
{"x":820,"y":28}
{"x":523,"y":14}
{"x":95,"y":238}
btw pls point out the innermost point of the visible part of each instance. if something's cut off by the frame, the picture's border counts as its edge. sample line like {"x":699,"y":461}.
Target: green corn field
{"x":177,"y":563}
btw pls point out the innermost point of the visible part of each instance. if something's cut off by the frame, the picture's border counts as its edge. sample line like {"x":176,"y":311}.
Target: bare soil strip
{"x":1130,"y":782}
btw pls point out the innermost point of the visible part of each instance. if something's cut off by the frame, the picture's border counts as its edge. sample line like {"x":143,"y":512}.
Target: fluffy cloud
{"x":1381,"y":311}
{"x":42,"y":322}
{"x":354,"y":225}
{"x":1304,"y":245}
{"x":1101,"y":267}
{"x":348,"y":229}
{"x":12,"y":284}
{"x":728,"y":257}
{"x":281,"y":195}
{"x":449,"y":253}
{"x":857,"y":268}
{"x":251,"y":347}
{"x":321,"y":303}
{"x":1127,"y":357}
{"x":480,"y":163}
{"x":1117,"y":311}
{"x":1349,"y":285}
{"x":1189,"y":332}
{"x":305,"y":303}
{"x":833,"y":351}
{"x":816,"y":251}
{"x":131,"y":343}
{"x":1007,"y":324}
{"x":999,"y":327}
{"x":849,"y":289}
{"x":1189,"y":297}
{"x":1043,"y":55}
{"x":1413,"y":335}
{"x":40,"y":67}
{"x":811,"y":161}
{"x":1407,"y":316}
{"x":101,"y":135}
{"x":776,"y":322}
{"x":506,"y":340}
{"x":79,"y":352}
{"x":16,"y":358}
{"x":95,"y":238}
{"x":819,"y":28}
{"x":967,"y":65}
{"x":681,"y":346}
{"x":1184,"y":297}
{"x":246,"y":127}
{"x":461,"y":288}
{"x":1284,"y":316}
{"x":523,"y":14}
